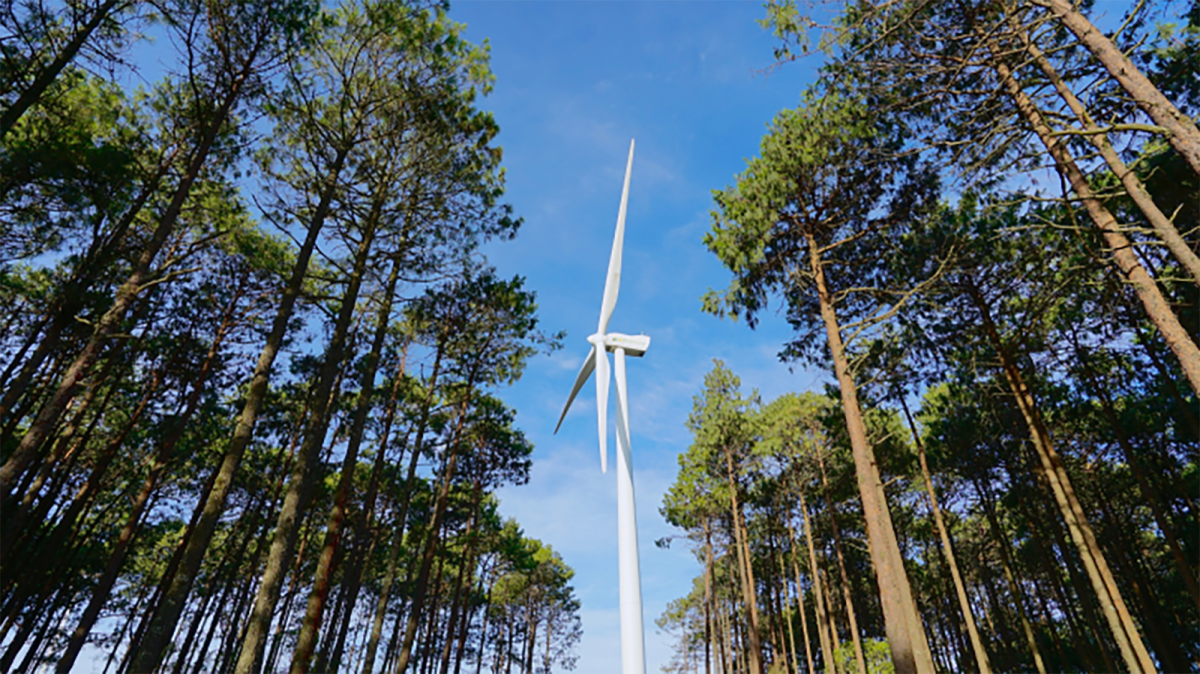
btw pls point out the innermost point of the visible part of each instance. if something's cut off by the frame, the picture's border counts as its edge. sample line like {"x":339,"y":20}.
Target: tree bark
{"x":49,"y":415}
{"x":402,"y":516}
{"x":1162,"y":224}
{"x":800,"y":596}
{"x":46,"y":77}
{"x":746,"y":572}
{"x":824,"y":625}
{"x":841,"y":560}
{"x":307,"y":640}
{"x":1132,"y":271}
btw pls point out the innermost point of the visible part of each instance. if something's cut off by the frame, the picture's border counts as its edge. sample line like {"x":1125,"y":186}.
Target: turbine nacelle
{"x":634,"y":345}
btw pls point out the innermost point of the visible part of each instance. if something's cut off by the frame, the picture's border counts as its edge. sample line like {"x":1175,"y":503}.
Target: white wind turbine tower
{"x":633,"y":660}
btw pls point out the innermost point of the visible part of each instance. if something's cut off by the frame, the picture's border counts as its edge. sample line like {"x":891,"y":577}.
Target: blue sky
{"x":575,"y":81}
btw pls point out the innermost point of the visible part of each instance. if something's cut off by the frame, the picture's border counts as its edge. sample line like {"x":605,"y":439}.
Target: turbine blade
{"x":622,"y":402}
{"x":589,"y":364}
{"x":612,"y":282}
{"x":602,"y":403}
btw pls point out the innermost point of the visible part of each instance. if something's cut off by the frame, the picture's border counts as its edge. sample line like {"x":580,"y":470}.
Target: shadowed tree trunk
{"x":304,"y":471}
{"x":307,"y":640}
{"x":800,"y":596}
{"x":824,"y":624}
{"x":46,"y":76}
{"x":841,"y":560}
{"x":745,"y":571}
{"x":1133,"y":650}
{"x":162,"y":624}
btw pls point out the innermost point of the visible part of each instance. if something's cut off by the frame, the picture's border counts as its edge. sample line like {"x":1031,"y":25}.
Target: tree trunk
{"x":163,"y":457}
{"x":304,"y":471}
{"x":431,"y":542}
{"x":746,"y":571}
{"x":49,"y":415}
{"x":1132,"y":271}
{"x":800,"y":596}
{"x":902,"y":621}
{"x":1162,"y":225}
{"x":960,"y":590}
{"x":792,"y":661}
{"x":465,"y":573}
{"x":1082,"y":598}
{"x":1014,"y":588}
{"x":1135,"y":466}
{"x":841,"y":560}
{"x":824,"y":624}
{"x":708,"y":596}
{"x":1133,"y":651}
{"x":1181,"y":131}
{"x":365,"y":524}
{"x":163,"y":621}
{"x":307,"y":640}
{"x":46,"y":76}
{"x":402,"y":515}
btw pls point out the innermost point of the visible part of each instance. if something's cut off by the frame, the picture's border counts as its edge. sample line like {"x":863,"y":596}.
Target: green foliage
{"x":876,"y":652}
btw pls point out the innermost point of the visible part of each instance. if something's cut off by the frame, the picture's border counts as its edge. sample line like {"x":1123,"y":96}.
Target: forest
{"x":983,"y":222}
{"x":247,"y":433}
{"x":253,"y":355}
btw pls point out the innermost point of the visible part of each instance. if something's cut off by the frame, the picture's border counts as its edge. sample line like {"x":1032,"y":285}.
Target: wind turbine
{"x":633,"y":660}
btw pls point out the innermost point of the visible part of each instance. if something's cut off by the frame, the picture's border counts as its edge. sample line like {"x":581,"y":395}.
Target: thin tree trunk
{"x":366,"y":520}
{"x":402,"y":516}
{"x":824,"y":625}
{"x":304,"y":471}
{"x":49,"y":415}
{"x":1135,"y":466}
{"x":1015,"y":589}
{"x":800,"y":598}
{"x":841,"y":560}
{"x":431,"y":543}
{"x":1161,"y":636}
{"x":793,"y":658}
{"x":708,"y":596}
{"x":1079,"y":584}
{"x":1162,"y":224}
{"x":746,"y":571}
{"x":466,"y":569}
{"x":960,"y":590}
{"x":163,"y":458}
{"x":307,"y":640}
{"x":46,"y":76}
{"x":1132,"y":271}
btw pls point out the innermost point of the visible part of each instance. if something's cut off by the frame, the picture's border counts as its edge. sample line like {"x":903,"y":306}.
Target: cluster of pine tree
{"x":983,"y":219}
{"x":251,"y":351}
